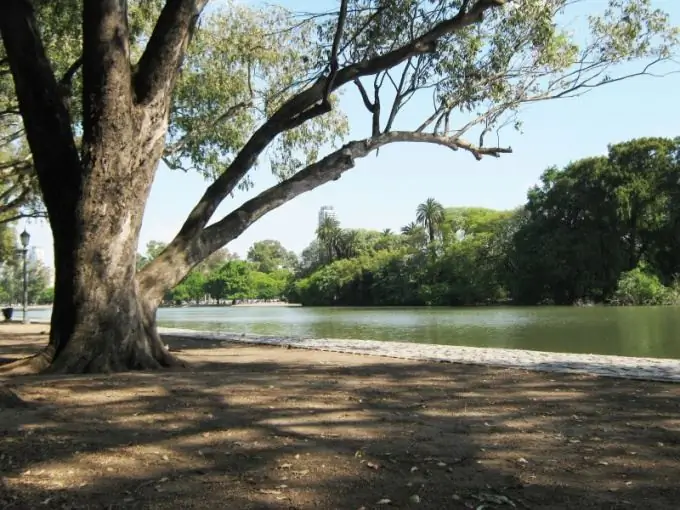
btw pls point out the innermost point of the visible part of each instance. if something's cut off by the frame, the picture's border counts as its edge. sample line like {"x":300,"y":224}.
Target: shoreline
{"x":623,"y":367}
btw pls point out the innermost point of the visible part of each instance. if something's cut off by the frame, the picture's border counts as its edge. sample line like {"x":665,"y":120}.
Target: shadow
{"x":258,"y":427}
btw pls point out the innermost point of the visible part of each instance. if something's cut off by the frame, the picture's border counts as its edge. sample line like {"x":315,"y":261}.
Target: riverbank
{"x":265,"y":427}
{"x":274,"y":304}
{"x":651,"y":369}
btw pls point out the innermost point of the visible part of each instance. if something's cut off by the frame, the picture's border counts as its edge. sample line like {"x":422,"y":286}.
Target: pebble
{"x":651,"y":369}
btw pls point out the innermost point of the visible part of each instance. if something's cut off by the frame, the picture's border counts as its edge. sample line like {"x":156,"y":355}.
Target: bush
{"x":639,"y":287}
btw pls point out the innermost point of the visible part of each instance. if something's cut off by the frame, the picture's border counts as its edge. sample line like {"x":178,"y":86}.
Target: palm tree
{"x":430,"y":214}
{"x":347,"y":244}
{"x":415,"y":235}
{"x":409,"y":229}
{"x":328,"y":234}
{"x":387,"y":232}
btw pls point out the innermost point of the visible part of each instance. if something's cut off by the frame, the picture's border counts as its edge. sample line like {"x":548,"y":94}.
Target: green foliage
{"x":190,"y":289}
{"x":269,"y":256}
{"x":232,"y":280}
{"x":639,"y":287}
{"x":581,"y":237}
{"x":597,"y":218}
{"x":46,"y":297}
{"x":12,"y":281}
{"x":430,"y":214}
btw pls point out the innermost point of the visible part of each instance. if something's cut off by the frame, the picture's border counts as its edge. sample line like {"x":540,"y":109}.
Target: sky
{"x":383,"y":192}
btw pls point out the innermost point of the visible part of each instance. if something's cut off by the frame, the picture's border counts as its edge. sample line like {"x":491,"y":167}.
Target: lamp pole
{"x":25,"y":238}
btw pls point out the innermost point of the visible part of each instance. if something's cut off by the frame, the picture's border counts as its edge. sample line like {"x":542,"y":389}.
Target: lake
{"x":625,"y":331}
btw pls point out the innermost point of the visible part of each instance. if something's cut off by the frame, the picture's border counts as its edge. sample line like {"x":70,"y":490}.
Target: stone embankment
{"x":650,"y":369}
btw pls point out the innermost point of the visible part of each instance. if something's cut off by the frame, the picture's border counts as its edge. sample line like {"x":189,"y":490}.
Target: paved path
{"x":610,"y":366}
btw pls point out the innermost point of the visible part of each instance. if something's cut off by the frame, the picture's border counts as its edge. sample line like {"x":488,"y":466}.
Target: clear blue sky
{"x":383,"y":192}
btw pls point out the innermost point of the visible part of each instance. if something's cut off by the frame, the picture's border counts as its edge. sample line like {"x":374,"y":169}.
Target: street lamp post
{"x":25,"y":238}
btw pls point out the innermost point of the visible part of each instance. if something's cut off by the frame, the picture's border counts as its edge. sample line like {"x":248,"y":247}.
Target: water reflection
{"x":644,"y":331}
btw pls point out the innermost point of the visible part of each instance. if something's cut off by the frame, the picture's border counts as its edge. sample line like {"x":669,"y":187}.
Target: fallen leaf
{"x":270,"y":491}
{"x":372,"y":465}
{"x":384,"y":501}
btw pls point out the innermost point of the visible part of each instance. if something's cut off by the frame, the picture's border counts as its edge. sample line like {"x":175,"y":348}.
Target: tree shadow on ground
{"x":273,"y":428}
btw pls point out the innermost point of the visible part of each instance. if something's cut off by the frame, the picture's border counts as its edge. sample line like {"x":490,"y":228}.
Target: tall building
{"x":326,"y":211}
{"x":36,"y":254}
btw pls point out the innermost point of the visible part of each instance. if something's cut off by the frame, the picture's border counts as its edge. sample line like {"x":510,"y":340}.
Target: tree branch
{"x":334,"y":65}
{"x":46,"y":120}
{"x":67,"y":79}
{"x":165,"y":50}
{"x":364,"y":96}
{"x":177,"y":259}
{"x":310,"y":103}
{"x":323,"y":171}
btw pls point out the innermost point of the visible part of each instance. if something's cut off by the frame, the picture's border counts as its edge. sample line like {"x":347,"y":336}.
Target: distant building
{"x":36,"y":254}
{"x":327,"y":211}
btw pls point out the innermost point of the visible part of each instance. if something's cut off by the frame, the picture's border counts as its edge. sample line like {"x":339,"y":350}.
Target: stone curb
{"x":648,"y":369}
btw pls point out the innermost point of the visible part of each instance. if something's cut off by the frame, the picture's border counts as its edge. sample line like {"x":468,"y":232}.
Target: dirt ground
{"x":275,"y":428}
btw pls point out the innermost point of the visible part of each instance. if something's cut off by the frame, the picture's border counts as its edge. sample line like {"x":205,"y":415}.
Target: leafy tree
{"x":269,"y":255}
{"x":136,"y":90}
{"x":216,"y":286}
{"x":641,"y":287}
{"x":12,"y":281}
{"x":415,"y":234}
{"x":593,"y":220}
{"x":46,"y":297}
{"x":328,"y":235}
{"x":269,"y":286}
{"x":191,"y":288}
{"x":430,"y":214}
{"x":237,"y":279}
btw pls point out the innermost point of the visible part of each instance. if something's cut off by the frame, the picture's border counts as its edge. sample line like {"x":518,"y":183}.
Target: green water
{"x":644,"y":331}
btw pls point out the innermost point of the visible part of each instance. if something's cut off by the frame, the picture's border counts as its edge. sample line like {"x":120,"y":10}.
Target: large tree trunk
{"x":101,"y":322}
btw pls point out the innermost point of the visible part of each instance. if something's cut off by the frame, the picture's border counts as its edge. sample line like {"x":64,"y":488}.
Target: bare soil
{"x":251,"y":427}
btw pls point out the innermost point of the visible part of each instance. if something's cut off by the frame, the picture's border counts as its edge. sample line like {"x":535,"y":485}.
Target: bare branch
{"x":70,"y":73}
{"x":334,"y":65}
{"x":162,"y":57}
{"x":364,"y":96}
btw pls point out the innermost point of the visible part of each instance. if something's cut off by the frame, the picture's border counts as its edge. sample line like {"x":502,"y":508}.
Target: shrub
{"x":640,"y":287}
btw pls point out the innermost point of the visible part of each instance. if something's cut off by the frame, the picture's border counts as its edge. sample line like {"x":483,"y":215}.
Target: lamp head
{"x":25,"y":238}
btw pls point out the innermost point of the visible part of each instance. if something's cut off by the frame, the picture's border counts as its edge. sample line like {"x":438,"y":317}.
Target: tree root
{"x":33,"y":364}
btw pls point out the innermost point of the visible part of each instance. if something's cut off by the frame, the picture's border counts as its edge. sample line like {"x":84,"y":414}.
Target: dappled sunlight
{"x":270,"y":428}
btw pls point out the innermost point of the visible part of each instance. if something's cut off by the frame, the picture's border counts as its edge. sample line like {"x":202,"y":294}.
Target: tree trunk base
{"x":144,"y":353}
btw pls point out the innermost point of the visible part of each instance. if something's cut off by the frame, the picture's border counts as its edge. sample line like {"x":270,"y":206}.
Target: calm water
{"x":644,"y":331}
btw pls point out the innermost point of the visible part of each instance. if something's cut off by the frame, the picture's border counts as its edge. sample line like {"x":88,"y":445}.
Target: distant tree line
{"x":601,"y":229}
{"x":604,"y":229}
{"x":223,"y":278}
